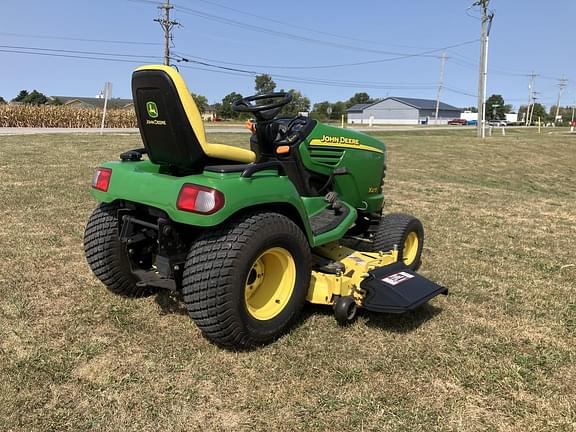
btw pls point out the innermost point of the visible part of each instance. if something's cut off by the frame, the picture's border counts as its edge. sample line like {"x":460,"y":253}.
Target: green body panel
{"x":141,"y":182}
{"x":328,"y":147}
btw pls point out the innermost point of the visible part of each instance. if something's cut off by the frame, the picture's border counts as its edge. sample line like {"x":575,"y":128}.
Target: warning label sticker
{"x":397,"y":278}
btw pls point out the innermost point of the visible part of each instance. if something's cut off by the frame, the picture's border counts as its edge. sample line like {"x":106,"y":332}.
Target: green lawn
{"x":498,"y":354}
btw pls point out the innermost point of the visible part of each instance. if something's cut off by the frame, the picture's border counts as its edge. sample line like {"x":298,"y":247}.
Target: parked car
{"x":472,"y":122}
{"x":462,"y":122}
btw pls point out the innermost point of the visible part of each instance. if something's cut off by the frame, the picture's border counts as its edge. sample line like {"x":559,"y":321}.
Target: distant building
{"x":95,"y":102}
{"x":469,"y":116}
{"x":473,"y":116}
{"x":402,"y":111}
{"x":209,"y":113}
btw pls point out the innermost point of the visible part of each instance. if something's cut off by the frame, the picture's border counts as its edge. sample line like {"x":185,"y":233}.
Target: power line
{"x":343,"y":84}
{"x":315,"y":31}
{"x":312,"y":80}
{"x":135,"y":59}
{"x":17,"y":47}
{"x":35,"y":36}
{"x":47,"y":54}
{"x":287,"y":35}
{"x":339,"y":65}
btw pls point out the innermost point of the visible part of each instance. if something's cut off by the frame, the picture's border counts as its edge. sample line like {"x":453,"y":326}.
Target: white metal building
{"x":399,"y":110}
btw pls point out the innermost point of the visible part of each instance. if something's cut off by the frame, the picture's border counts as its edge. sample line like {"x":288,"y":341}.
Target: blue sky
{"x":526,"y":35}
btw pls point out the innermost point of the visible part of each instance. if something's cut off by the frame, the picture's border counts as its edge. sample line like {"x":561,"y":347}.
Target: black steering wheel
{"x":266,"y":111}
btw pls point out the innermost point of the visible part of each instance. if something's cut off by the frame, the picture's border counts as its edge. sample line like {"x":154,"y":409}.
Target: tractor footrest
{"x":328,"y":219}
{"x":395,"y":289}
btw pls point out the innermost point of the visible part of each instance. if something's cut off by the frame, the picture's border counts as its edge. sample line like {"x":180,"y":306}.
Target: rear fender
{"x":141,"y":182}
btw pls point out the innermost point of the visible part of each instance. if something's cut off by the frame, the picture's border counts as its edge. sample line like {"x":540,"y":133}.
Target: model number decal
{"x":397,"y":278}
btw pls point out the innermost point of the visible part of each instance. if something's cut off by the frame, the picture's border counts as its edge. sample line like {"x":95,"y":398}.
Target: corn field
{"x":47,"y":116}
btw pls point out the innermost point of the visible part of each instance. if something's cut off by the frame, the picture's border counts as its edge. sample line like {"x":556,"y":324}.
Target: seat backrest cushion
{"x":169,"y":121}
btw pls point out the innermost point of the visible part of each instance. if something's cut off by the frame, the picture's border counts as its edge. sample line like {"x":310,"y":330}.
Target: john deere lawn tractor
{"x":248,"y":236}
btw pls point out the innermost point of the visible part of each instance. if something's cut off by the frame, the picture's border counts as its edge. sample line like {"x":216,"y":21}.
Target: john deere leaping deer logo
{"x":152,"y":109}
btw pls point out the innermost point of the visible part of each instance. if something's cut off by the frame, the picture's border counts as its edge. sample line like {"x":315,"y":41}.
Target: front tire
{"x":245,"y":282}
{"x":401,"y":230}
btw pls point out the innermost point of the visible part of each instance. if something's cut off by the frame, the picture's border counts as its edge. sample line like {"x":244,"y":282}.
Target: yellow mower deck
{"x":324,"y":287}
{"x":375,"y":281}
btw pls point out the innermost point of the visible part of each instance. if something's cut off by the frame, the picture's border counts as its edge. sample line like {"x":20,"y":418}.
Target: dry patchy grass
{"x":497,"y":354}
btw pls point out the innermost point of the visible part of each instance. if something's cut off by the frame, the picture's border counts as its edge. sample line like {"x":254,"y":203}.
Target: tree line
{"x":265,"y":84}
{"x":496,"y":107}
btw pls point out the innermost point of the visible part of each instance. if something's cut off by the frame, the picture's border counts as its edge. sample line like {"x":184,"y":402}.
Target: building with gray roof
{"x":402,"y":111}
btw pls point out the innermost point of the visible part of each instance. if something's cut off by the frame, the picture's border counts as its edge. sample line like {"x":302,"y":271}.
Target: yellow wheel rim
{"x":270,"y":283}
{"x":410,"y":249}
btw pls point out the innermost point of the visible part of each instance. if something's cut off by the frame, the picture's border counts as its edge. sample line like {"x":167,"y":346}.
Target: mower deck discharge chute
{"x":247,"y":236}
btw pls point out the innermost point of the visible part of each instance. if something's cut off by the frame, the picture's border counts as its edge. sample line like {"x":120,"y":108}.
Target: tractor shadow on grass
{"x":170,"y":303}
{"x":401,"y":323}
{"x":397,"y":323}
{"x":173,"y":303}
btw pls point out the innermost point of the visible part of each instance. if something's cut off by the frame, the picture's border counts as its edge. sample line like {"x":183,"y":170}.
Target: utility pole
{"x":440,"y":85}
{"x":572,"y":121}
{"x":167,"y":26}
{"x":562,"y":82}
{"x":534,"y":98}
{"x":486,"y":25}
{"x":532,"y":76}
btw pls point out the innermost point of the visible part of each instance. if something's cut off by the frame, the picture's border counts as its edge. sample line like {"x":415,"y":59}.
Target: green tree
{"x":201,"y":102}
{"x":538,"y":111}
{"x":20,"y":96}
{"x":2,"y":101}
{"x":299,"y":103}
{"x":264,"y":84}
{"x":225,"y":109}
{"x":496,"y":108}
{"x":565,"y":113}
{"x":338,"y":110}
{"x":320,"y":111}
{"x":35,"y":98}
{"x":471,"y":109}
{"x":358,"y":98}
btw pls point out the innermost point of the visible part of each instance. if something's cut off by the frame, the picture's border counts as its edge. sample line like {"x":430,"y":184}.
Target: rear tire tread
{"x":104,"y":253}
{"x":208,"y":276}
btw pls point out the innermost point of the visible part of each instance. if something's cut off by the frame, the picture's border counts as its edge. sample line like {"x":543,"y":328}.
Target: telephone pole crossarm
{"x":167,"y":26}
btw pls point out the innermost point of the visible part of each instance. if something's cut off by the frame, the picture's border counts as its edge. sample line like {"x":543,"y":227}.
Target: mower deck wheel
{"x":345,"y":310}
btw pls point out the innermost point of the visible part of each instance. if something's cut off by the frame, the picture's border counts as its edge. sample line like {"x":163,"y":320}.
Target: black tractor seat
{"x":171,"y":126}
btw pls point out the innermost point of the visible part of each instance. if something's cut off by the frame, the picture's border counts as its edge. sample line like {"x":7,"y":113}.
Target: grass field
{"x":498,"y":354}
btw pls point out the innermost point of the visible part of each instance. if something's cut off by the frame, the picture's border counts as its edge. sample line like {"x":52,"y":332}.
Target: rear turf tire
{"x":401,"y":230}
{"x":222,"y":267}
{"x":105,"y":253}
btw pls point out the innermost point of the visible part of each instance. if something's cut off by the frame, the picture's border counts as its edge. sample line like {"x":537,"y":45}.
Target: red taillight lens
{"x":101,"y":179}
{"x":199,"y":199}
